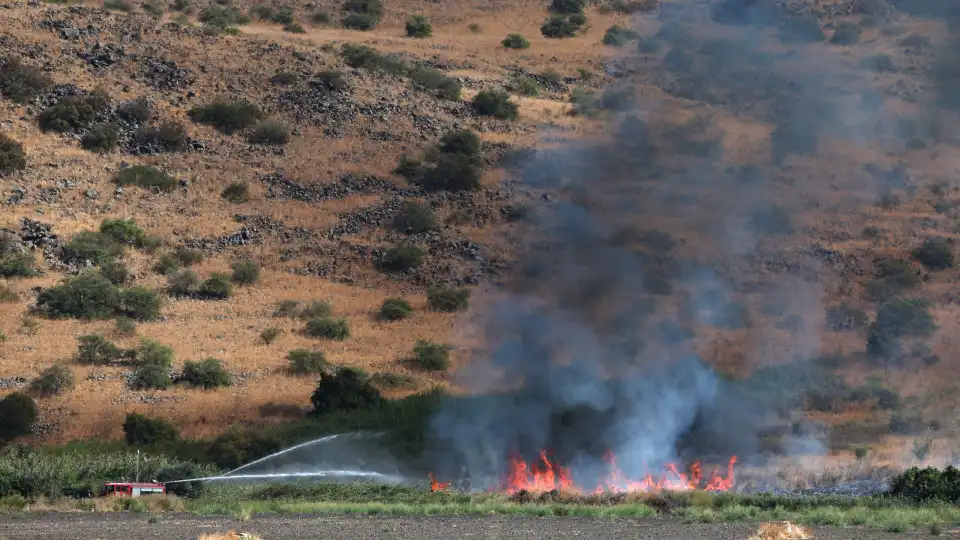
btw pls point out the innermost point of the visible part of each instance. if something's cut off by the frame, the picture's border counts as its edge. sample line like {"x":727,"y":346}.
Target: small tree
{"x":52,"y":381}
{"x":403,"y":258}
{"x":306,"y":362}
{"x":415,"y":218}
{"x":116,"y":272}
{"x":87,"y":296}
{"x":216,"y":287}
{"x":227,"y":116}
{"x":269,"y":335}
{"x":124,"y":231}
{"x":566,"y":6}
{"x":12,"y":156}
{"x":151,"y":377}
{"x":935,"y":253}
{"x":515,"y":41}
{"x":140,"y":430}
{"x":449,"y":300}
{"x":101,"y":138}
{"x":207,"y":374}
{"x":95,"y":350}
{"x":95,"y":247}
{"x":395,"y":309}
{"x":140,"y":304}
{"x":183,"y":283}
{"x":419,"y":27}
{"x":245,"y":272}
{"x":327,"y":328}
{"x":153,"y":353}
{"x":432,"y":356}
{"x":495,"y":103}
{"x":348,"y":389}
{"x":18,"y":413}
{"x":562,"y":26}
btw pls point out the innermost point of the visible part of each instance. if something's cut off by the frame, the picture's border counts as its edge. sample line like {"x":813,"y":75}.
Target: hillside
{"x":800,"y":161}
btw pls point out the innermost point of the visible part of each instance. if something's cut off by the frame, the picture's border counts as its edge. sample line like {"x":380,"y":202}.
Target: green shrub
{"x":270,"y":132}
{"x":432,"y":356}
{"x":154,"y":8}
{"x":495,"y":103}
{"x":239,"y":446}
{"x":116,"y":272}
{"x":395,"y":309}
{"x":207,"y":374}
{"x":52,"y":381}
{"x":415,"y":218}
{"x":321,"y":17}
{"x":188,"y":256}
{"x":362,"y":56}
{"x":448,"y":300}
{"x":515,"y":41}
{"x":270,"y":335}
{"x":118,"y":5}
{"x":95,"y":247}
{"x":12,"y":156}
{"x":349,"y":389}
{"x":166,"y":263}
{"x":362,"y":14}
{"x":562,"y":26}
{"x":434,"y":79}
{"x":216,"y":287}
{"x":585,"y":102}
{"x":124,"y":231}
{"x":151,"y":377}
{"x":125,"y":327}
{"x":95,"y":350}
{"x":617,"y":36}
{"x":152,"y":353}
{"x":227,"y":116}
{"x":847,"y":33}
{"x":18,"y":412}
{"x":18,"y":265}
{"x":419,"y":27}
{"x":245,"y":272}
{"x":294,"y":28}
{"x":474,"y":28}
{"x":450,"y":172}
{"x":316,"y":308}
{"x":72,"y":113}
{"x":137,"y":111}
{"x":567,"y":6}
{"x":140,"y":304}
{"x":527,"y":86}
{"x":306,"y":362}
{"x":222,"y":17}
{"x":359,"y":21}
{"x":140,"y":430}
{"x":403,"y":258}
{"x":935,"y":253}
{"x":87,"y":296}
{"x":102,"y":138}
{"x":21,"y":82}
{"x":166,"y":137}
{"x":327,"y":328}
{"x":928,"y":485}
{"x":237,"y":193}
{"x":392,"y":381}
{"x":289,"y":308}
{"x":145,"y":177}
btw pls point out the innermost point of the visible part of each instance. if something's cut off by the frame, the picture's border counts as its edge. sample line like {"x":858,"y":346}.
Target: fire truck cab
{"x":133,"y":489}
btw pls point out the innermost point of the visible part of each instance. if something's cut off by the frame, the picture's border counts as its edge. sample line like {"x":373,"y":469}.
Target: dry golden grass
{"x":781,"y":530}
{"x":229,"y":535}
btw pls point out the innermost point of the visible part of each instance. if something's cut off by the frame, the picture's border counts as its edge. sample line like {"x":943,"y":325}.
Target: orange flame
{"x":545,"y":475}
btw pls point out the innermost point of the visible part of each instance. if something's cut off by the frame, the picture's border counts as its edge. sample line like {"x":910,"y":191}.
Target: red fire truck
{"x":133,"y":489}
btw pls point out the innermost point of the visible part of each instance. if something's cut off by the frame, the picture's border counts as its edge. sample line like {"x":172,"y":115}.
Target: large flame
{"x":545,"y":475}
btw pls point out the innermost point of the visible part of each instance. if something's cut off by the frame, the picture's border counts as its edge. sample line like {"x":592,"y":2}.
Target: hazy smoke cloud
{"x":676,"y":229}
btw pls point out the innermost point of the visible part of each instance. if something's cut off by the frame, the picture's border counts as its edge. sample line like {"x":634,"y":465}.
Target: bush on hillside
{"x":137,"y":111}
{"x":618,"y":36}
{"x":102,"y":137}
{"x":567,"y":6}
{"x":87,"y":296}
{"x":152,"y":353}
{"x":448,"y":299}
{"x":52,"y":381}
{"x":116,"y":272}
{"x":216,"y":287}
{"x":449,"y":172}
{"x":306,"y":362}
{"x":227,"y":116}
{"x":562,"y":26}
{"x":124,"y":231}
{"x":359,"y":21}
{"x":21,"y":264}
{"x":208,"y":373}
{"x":403,"y":258}
{"x":928,"y":485}
{"x":434,"y":79}
{"x":365,"y":57}
{"x":330,"y":80}
{"x":935,"y":253}
{"x":846,"y":33}
{"x":269,"y":335}
{"x":415,"y":218}
{"x":419,"y":27}
{"x":22,"y":83}
{"x":151,"y":377}
{"x":182,"y":283}
{"x":237,"y":447}
{"x":12,"y":156}
{"x":140,"y":430}
{"x":348,"y":389}
{"x":895,"y":319}
{"x":495,"y":103}
{"x":327,"y":328}
{"x":361,"y":14}
{"x":18,"y":412}
{"x":220,"y":17}
{"x":166,"y":137}
{"x":515,"y":41}
{"x":91,"y":246}
{"x":73,"y":113}
{"x":395,"y":309}
{"x":145,"y":177}
{"x":140,"y":304}
{"x":316,"y":308}
{"x":525,"y":86}
{"x":245,"y":272}
{"x":236,"y":192}
{"x":95,"y":350}
{"x":270,"y":132}
{"x":432,"y":356}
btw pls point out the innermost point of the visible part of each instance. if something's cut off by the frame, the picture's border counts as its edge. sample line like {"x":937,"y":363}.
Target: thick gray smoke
{"x":671,"y":236}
